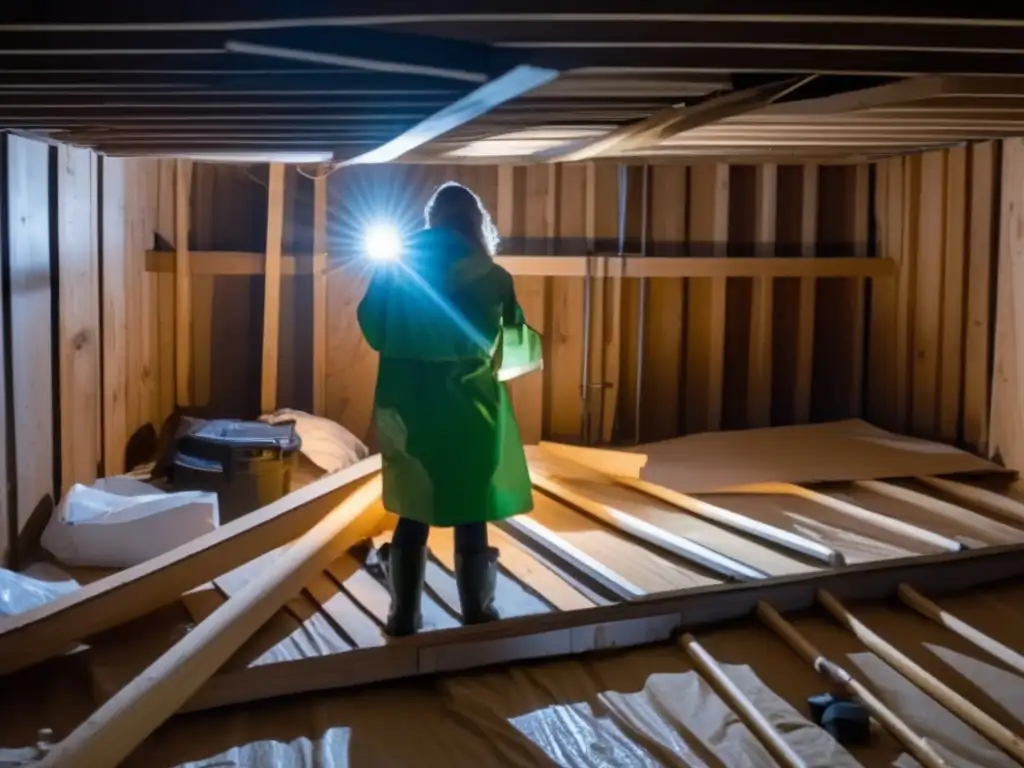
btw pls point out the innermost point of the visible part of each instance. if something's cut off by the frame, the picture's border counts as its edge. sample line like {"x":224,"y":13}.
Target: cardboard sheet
{"x":840,"y":450}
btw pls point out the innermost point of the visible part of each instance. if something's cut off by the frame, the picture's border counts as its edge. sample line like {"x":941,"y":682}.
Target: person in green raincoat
{"x":445,"y":320}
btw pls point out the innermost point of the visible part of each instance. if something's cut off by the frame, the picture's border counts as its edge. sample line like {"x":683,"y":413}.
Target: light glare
{"x":383,"y":242}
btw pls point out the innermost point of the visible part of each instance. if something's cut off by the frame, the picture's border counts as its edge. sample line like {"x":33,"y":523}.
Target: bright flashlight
{"x":382,"y":242}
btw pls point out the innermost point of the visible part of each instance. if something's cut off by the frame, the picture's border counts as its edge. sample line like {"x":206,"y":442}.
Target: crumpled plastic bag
{"x":20,"y":592}
{"x":119,"y":522}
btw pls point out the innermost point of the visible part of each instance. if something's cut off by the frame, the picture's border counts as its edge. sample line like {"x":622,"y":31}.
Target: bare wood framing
{"x":679,"y":546}
{"x":738,"y":702}
{"x":892,"y":722}
{"x":272,"y":289}
{"x":243,"y":263}
{"x":988,"y":726}
{"x":33,"y":636}
{"x":867,"y":515}
{"x":759,"y":377}
{"x":984,"y":498}
{"x":751,"y":527}
{"x":990,"y":645}
{"x":805,"y":331}
{"x":182,"y":283}
{"x":861,"y":231}
{"x":320,"y":295}
{"x":625,"y":624}
{"x":111,"y":733}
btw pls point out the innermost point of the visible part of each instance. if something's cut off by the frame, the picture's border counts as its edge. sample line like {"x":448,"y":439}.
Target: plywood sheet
{"x":841,"y":450}
{"x":633,"y":562}
{"x":601,"y":489}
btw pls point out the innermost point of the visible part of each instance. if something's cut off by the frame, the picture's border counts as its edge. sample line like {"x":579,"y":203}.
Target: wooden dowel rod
{"x":914,"y":742}
{"x":988,"y":500}
{"x":918,"y":499}
{"x":631,"y":525}
{"x":725,"y":517}
{"x":110,"y":734}
{"x":853,"y":510}
{"x":985,"y":724}
{"x":738,"y":702}
{"x":990,"y":645}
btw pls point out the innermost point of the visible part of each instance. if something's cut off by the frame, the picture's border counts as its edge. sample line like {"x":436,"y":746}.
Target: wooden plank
{"x":990,"y":501}
{"x":907,"y":291}
{"x":272,"y":289}
{"x":165,"y":229}
{"x":928,"y":296}
{"x":884,"y":400}
{"x":631,"y":623}
{"x":320,"y":295}
{"x":134,"y":251}
{"x":149,"y":376}
{"x":861,"y":235}
{"x":706,"y":299}
{"x":115,"y":320}
{"x":954,"y":293}
{"x":805,"y":333}
{"x":609,"y":332}
{"x":346,"y":615}
{"x":43,"y":632}
{"x":759,"y":373}
{"x":182,"y":284}
{"x":122,"y":722}
{"x":981,"y":261}
{"x":241,"y":263}
{"x":79,"y":319}
{"x":32,"y":373}
{"x":8,"y":515}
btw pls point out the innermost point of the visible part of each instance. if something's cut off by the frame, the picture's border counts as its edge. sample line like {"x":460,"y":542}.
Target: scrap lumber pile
{"x":622,"y":549}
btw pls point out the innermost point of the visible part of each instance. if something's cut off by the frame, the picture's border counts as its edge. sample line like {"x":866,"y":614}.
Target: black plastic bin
{"x":248,"y":464}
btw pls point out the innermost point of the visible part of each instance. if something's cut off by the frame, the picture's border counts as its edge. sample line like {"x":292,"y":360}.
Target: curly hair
{"x":457,"y":207}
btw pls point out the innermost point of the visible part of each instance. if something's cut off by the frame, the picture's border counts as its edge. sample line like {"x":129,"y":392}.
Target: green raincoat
{"x":449,"y":331}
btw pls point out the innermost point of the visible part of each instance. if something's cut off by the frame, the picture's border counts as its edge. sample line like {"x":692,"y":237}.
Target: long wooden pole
{"x":741,"y":705}
{"x":910,"y":739}
{"x":985,"y":724}
{"x":182,"y":284}
{"x":272,"y":288}
{"x":990,"y":645}
{"x":320,"y":295}
{"x":110,"y":734}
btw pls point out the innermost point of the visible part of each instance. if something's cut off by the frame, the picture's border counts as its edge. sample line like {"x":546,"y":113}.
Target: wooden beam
{"x":49,"y":630}
{"x":680,"y":546}
{"x":990,"y":501}
{"x":182,"y":283}
{"x":244,"y":263}
{"x":759,"y":374}
{"x":653,"y":130}
{"x":272,"y":289}
{"x":511,"y":85}
{"x":320,"y":295}
{"x":631,"y":623}
{"x":808,"y":286}
{"x":111,"y":733}
{"x":861,"y":235}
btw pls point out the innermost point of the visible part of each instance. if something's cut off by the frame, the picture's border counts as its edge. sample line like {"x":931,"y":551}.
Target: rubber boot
{"x":405,"y":569}
{"x":476,"y":576}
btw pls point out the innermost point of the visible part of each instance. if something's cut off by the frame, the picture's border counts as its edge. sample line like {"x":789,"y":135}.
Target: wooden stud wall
{"x":929,"y":341}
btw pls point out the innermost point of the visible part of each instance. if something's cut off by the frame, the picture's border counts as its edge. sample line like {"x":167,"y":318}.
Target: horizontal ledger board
{"x":242,"y":263}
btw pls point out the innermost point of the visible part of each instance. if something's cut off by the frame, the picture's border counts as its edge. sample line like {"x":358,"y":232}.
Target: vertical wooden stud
{"x":861,"y":234}
{"x":906,"y":292}
{"x":953,"y":295}
{"x":805,"y":334}
{"x":759,"y":378}
{"x":981,"y":255}
{"x":272,"y":288}
{"x":320,"y":294}
{"x":182,"y":284}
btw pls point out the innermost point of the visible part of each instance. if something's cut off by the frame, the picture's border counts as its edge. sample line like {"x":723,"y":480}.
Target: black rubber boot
{"x":405,"y":569}
{"x":476,"y":576}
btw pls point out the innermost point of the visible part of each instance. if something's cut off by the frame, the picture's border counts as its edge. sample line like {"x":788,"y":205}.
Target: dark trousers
{"x":470,"y":539}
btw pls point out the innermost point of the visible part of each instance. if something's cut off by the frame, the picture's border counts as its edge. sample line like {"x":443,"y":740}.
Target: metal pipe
{"x":641,"y":311}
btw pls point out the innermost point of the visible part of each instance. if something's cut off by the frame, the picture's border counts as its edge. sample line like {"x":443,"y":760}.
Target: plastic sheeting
{"x":324,"y":442}
{"x":20,"y":592}
{"x":119,"y":522}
